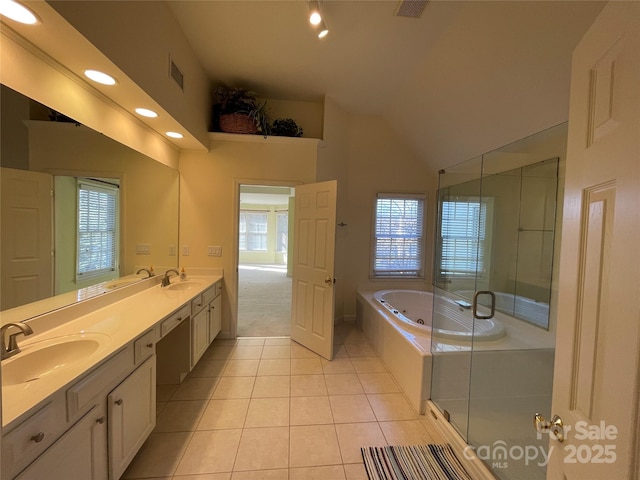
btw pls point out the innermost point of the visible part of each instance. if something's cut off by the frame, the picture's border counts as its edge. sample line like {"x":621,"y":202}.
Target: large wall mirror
{"x":59,"y":250}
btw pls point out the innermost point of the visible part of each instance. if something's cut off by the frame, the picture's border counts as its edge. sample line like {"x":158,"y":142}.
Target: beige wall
{"x":209,"y":197}
{"x":149,"y":190}
{"x":379,"y":161}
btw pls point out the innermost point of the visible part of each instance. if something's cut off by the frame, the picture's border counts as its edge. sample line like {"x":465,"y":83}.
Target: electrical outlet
{"x":214,"y":251}
{"x":143,"y":249}
{"x":185,"y":250}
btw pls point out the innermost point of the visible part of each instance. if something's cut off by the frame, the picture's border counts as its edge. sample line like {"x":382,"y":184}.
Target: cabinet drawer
{"x":144,"y":346}
{"x":219,"y":288}
{"x":196,"y":304}
{"x":107,"y":375}
{"x":30,"y":439}
{"x":208,"y":295}
{"x":174,"y":320}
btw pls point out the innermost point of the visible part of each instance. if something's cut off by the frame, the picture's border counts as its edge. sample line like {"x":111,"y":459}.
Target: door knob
{"x":555,"y":426}
{"x":329,"y":281}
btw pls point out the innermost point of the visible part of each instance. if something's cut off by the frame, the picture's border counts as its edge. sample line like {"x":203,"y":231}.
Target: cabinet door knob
{"x":149,"y":345}
{"x":100,"y":420}
{"x":118,"y":402}
{"x":38,"y":437}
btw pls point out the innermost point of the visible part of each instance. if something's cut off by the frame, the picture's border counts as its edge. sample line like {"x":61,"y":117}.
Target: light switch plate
{"x":214,"y":251}
{"x":143,"y":249}
{"x":185,"y":250}
{"x":172,"y":250}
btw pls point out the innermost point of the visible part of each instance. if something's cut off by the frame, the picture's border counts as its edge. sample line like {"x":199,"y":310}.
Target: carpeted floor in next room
{"x":264,"y":301}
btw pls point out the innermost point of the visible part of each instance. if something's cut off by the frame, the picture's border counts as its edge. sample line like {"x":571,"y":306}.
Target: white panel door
{"x":27,"y":237}
{"x":312,"y":302}
{"x":595,"y":389}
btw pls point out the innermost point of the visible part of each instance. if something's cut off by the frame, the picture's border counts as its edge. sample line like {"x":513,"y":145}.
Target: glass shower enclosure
{"x":493,"y":314}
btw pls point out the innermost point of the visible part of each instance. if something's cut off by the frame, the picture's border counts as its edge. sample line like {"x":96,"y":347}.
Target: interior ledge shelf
{"x":246,"y":138}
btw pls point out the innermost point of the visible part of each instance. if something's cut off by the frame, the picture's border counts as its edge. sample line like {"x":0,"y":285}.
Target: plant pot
{"x":238,"y":123}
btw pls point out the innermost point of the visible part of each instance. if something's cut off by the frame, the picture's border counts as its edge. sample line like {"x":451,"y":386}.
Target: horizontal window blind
{"x":399,"y":236}
{"x":97,"y":228}
{"x":463,"y":230}
{"x":253,"y":231}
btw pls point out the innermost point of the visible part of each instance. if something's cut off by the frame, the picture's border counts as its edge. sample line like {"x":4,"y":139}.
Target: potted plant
{"x":286,"y":127}
{"x":240,"y":111}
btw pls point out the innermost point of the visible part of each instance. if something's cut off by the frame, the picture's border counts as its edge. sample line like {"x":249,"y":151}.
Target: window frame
{"x":420,"y":272}
{"x":264,"y":235}
{"x":98,"y":186}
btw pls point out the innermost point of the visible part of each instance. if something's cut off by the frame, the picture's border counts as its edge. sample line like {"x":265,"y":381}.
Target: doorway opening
{"x":264,"y":272}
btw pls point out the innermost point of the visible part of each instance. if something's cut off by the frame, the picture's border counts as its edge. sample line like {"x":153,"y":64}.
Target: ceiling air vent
{"x":176,"y":74}
{"x":411,"y":8}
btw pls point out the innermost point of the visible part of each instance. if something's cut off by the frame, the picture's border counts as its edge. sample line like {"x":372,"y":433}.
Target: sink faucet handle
{"x":11,"y":347}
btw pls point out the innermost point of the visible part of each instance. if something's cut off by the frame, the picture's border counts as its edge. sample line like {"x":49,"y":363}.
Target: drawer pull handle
{"x":149,"y":345}
{"x":38,"y":438}
{"x":100,"y":420}
{"x":179,"y":319}
{"x":118,"y":402}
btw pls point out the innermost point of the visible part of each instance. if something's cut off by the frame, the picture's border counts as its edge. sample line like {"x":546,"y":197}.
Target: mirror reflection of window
{"x":97,"y":252}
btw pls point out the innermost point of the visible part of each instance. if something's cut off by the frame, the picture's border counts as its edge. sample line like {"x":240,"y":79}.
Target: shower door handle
{"x":475,"y":304}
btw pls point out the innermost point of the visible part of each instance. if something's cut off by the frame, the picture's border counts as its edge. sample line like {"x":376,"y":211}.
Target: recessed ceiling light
{"x":100,"y":77}
{"x":174,"y":135}
{"x":18,"y":12}
{"x":145,"y":112}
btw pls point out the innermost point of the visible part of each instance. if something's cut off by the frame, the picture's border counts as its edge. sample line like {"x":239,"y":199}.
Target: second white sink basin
{"x":48,"y":357}
{"x":184,"y":285}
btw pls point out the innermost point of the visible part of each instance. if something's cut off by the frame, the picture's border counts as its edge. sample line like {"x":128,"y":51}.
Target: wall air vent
{"x":176,"y":74}
{"x":410,"y":8}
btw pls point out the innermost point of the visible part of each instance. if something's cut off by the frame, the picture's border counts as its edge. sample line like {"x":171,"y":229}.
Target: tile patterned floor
{"x":269,"y":409}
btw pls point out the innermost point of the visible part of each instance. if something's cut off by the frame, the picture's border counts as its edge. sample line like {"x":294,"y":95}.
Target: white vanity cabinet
{"x":93,"y":429}
{"x":132,"y":416}
{"x":80,"y":453}
{"x":199,"y":335}
{"x":206,"y":311}
{"x":215,"y":317}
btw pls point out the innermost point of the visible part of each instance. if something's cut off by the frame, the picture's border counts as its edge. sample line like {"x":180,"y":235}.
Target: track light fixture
{"x":315,"y":18}
{"x":323,"y":31}
{"x":314,"y":13}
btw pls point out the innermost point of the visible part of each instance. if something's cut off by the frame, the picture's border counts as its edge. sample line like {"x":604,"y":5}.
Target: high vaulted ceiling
{"x":463,"y":79}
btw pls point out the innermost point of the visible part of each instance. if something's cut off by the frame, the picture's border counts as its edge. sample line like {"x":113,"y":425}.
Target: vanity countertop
{"x":113,"y":326}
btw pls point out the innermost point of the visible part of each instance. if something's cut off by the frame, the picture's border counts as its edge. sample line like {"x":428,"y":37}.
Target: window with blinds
{"x":253,"y":231}
{"x":398,"y":248}
{"x":97,"y":228}
{"x":464,"y":235}
{"x":282,"y":231}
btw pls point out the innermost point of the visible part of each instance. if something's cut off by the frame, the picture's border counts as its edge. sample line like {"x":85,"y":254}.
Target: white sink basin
{"x":121,"y":282}
{"x":48,"y":357}
{"x":184,"y":285}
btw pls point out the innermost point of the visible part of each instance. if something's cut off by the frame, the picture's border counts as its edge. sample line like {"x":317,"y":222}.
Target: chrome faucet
{"x":11,"y":348}
{"x":149,"y":272}
{"x":165,"y":279}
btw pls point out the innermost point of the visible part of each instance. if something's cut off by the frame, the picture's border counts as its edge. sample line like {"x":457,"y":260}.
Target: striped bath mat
{"x":413,"y":462}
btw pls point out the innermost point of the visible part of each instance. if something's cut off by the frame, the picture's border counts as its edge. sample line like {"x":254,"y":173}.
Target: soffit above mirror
{"x":62,"y":48}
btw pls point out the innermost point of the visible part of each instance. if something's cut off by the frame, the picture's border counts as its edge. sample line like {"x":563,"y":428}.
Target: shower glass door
{"x":460,"y":257}
{"x":493,"y":365}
